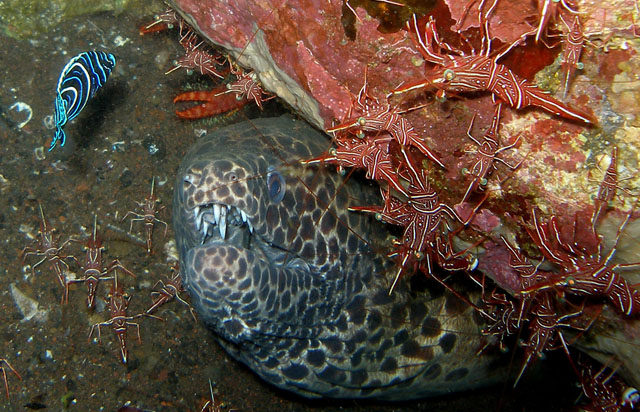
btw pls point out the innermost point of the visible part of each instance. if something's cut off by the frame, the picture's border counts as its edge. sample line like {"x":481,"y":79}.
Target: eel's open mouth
{"x":217,"y":222}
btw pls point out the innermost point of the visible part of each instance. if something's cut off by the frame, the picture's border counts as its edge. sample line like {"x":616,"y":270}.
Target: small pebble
{"x":126,"y":178}
{"x":161,"y":59}
{"x":20,"y":113}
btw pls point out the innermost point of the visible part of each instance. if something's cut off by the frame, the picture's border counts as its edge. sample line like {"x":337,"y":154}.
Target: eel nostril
{"x":189,"y":178}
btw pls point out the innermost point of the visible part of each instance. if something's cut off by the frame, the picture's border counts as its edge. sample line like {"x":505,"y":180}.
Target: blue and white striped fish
{"x":78,"y":82}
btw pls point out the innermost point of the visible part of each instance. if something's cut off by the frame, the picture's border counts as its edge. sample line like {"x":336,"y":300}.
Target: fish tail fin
{"x":59,"y":136}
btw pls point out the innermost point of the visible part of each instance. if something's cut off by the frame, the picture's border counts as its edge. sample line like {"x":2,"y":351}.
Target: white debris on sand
{"x":28,"y":306}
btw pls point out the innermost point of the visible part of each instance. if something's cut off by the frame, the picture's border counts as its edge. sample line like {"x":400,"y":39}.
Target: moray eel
{"x":295,"y":286}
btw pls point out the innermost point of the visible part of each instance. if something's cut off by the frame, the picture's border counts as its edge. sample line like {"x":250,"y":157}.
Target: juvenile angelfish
{"x":82,"y":76}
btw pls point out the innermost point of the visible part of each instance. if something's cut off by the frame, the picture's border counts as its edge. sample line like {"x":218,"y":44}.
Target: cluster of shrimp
{"x":242,"y":87}
{"x":93,"y":271}
{"x":382,"y":142}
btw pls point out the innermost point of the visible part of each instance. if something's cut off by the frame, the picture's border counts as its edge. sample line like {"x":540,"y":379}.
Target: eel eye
{"x":275,"y":184}
{"x":483,"y":181}
{"x":449,"y":75}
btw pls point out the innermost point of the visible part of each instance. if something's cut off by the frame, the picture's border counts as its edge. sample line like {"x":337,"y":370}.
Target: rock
{"x":28,"y":306}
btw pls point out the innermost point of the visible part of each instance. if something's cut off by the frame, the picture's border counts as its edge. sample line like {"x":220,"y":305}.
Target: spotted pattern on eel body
{"x":295,"y":286}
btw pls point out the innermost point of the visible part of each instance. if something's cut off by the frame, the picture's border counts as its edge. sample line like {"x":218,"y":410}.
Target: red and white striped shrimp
{"x":461,"y":73}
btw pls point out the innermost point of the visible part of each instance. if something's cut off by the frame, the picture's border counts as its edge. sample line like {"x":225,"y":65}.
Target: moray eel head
{"x":252,"y":228}
{"x":295,"y":286}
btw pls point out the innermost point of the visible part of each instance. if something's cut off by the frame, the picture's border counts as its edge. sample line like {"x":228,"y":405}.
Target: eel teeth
{"x":221,"y":215}
{"x":204,"y":232}
{"x":216,"y":212}
{"x":248,"y":223}
{"x":196,"y":216}
{"x":222,"y":222}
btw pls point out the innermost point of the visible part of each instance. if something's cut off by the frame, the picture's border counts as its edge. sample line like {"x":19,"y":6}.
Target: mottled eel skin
{"x":296,"y":292}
